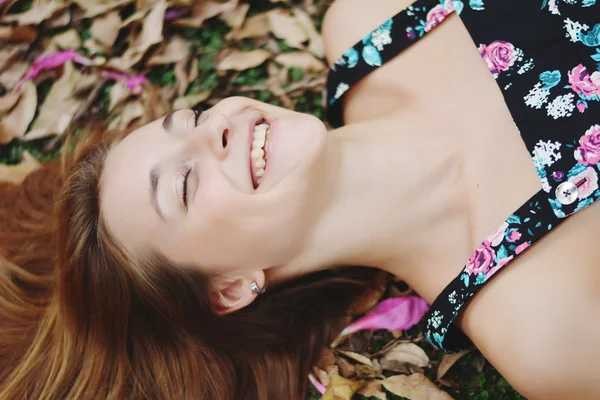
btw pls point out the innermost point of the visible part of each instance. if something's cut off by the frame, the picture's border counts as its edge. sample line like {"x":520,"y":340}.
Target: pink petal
{"x":317,"y":384}
{"x":398,"y":313}
{"x":133,"y":83}
{"x":50,"y":61}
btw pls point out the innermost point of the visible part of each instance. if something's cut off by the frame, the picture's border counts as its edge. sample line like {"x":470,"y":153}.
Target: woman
{"x":199,"y":256}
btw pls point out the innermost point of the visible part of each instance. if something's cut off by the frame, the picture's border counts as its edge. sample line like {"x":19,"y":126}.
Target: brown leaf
{"x":302,"y":60}
{"x":131,"y":111}
{"x":24,"y":34}
{"x":8,"y":53}
{"x":408,"y":353}
{"x":151,"y":34}
{"x":118,"y":94}
{"x":203,"y":10}
{"x":241,"y":60}
{"x":60,"y":106}
{"x":414,"y":387}
{"x":8,"y":101}
{"x":177,"y":49}
{"x":322,"y":376}
{"x":191,"y":100}
{"x":37,"y":13}
{"x":326,"y":359}
{"x":11,"y":76}
{"x":341,"y":389}
{"x":315,"y":40}
{"x":14,"y":124}
{"x":93,"y":8}
{"x":64,"y":41}
{"x":357,"y":357}
{"x":105,"y":28}
{"x":17,"y":173}
{"x":286,"y":27}
{"x":448,"y":360}
{"x":346,"y":368}
{"x":373,"y":388}
{"x":235,"y":18}
{"x":254,"y":27}
{"x":59,"y":20}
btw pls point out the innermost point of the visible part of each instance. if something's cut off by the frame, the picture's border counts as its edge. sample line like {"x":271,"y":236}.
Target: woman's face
{"x":187,"y":187}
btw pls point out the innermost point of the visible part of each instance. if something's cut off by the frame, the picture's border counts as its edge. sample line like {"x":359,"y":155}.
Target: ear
{"x":232,"y":292}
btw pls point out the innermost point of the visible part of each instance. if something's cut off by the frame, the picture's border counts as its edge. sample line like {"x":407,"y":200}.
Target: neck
{"x":379,"y":201}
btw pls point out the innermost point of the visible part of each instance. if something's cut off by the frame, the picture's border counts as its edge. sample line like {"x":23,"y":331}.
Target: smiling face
{"x":185,"y":186}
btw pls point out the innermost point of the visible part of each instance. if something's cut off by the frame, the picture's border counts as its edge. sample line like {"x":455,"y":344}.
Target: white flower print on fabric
{"x":561,"y":106}
{"x":380,"y":37}
{"x":537,"y":96}
{"x":546,"y":153}
{"x":341,"y":89}
{"x":573,"y":29}
{"x":452,"y":297}
{"x":436,"y":319}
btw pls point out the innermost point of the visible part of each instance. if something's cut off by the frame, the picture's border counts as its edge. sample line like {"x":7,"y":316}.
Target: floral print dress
{"x":545,"y":57}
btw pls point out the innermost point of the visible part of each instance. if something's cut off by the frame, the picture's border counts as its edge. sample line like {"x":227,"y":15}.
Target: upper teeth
{"x":257,"y":154}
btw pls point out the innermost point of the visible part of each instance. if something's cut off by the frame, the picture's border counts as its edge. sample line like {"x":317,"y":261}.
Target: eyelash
{"x":197,"y":113}
{"x":185,"y":176}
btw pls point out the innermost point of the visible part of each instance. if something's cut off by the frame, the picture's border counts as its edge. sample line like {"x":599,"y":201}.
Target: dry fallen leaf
{"x":17,"y":173}
{"x":241,"y":60}
{"x":105,"y":28}
{"x":177,"y":49}
{"x":357,"y":357}
{"x":315,"y":40}
{"x":8,"y":101}
{"x":414,"y":387}
{"x":14,"y":124}
{"x":448,"y":361}
{"x":286,"y":27}
{"x":12,"y":75}
{"x":39,"y":12}
{"x":66,"y":40}
{"x":59,"y":20}
{"x":151,"y":34}
{"x":345,"y":368}
{"x":254,"y":27}
{"x":9,"y":52}
{"x":93,"y":8}
{"x":191,"y":100}
{"x":341,"y":389}
{"x":235,"y":18}
{"x":24,"y":34}
{"x":302,"y":60}
{"x":407,"y":353}
{"x":118,"y":93}
{"x":322,"y":376}
{"x":60,"y":106}
{"x":203,"y":10}
{"x":373,"y":388}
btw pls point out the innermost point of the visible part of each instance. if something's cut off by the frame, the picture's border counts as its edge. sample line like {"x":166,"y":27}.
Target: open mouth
{"x":258,"y":152}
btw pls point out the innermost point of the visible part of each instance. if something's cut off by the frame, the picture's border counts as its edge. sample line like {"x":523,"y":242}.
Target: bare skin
{"x":537,"y":322}
{"x":411,"y":184}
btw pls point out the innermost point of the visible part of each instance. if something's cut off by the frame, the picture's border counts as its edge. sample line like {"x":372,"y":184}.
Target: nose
{"x":212,"y":133}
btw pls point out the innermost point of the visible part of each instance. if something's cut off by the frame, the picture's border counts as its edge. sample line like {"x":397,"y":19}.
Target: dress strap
{"x":379,"y":46}
{"x":517,"y":233}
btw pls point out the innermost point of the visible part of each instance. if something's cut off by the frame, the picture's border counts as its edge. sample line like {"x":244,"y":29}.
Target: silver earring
{"x":257,"y":289}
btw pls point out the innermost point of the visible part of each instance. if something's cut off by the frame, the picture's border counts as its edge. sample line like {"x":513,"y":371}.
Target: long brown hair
{"x":79,"y":319}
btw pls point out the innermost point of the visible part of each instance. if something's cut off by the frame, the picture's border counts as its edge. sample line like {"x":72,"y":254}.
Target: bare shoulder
{"x":347,"y":21}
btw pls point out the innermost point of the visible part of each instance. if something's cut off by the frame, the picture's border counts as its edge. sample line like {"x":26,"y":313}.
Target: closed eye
{"x":182,"y":186}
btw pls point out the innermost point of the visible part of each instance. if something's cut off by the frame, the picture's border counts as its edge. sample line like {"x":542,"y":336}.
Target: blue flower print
{"x":476,"y":5}
{"x":550,"y":79}
{"x":351,"y":57}
{"x":591,"y":38}
{"x":371,"y":55}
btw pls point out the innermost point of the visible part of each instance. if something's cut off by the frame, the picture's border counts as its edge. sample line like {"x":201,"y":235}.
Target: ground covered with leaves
{"x":66,"y":62}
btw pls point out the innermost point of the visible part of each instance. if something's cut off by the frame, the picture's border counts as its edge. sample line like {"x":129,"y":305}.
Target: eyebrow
{"x":168,"y":121}
{"x":154,"y":177}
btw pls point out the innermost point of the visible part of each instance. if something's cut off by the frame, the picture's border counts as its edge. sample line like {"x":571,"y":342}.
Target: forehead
{"x":125,"y":185}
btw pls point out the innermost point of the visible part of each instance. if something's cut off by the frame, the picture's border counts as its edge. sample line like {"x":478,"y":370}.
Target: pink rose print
{"x":521,"y":248}
{"x":595,"y":77}
{"x":499,"y":56}
{"x":501,"y":264}
{"x":513,"y":236}
{"x":498,"y":235}
{"x":481,"y":260}
{"x":581,"y":82}
{"x":590,"y":184}
{"x":581,"y":106}
{"x":434,"y":17}
{"x":588,"y":152}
